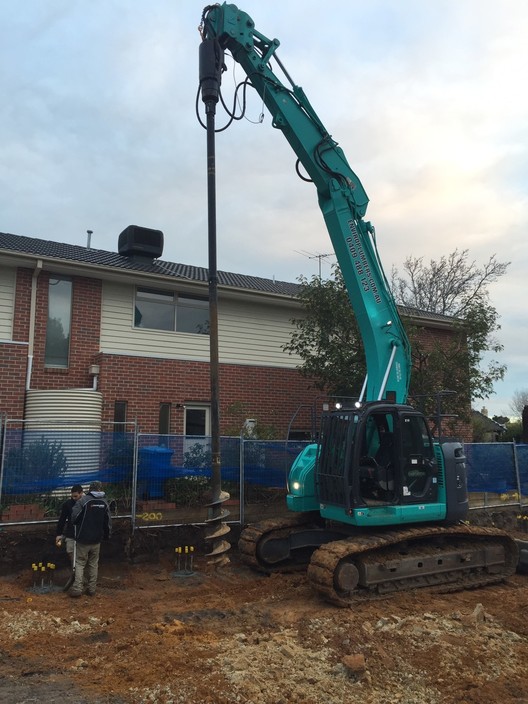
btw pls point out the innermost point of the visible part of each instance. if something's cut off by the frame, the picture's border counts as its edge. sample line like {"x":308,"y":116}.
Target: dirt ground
{"x":152,"y":634}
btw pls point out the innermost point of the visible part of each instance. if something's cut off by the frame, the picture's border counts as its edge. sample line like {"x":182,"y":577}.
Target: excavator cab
{"x":376,"y":456}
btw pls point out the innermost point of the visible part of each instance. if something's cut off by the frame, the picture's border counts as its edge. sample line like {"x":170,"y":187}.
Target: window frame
{"x":198,"y":407}
{"x":177,"y":303}
{"x":48,"y":342}
{"x":120,"y":415}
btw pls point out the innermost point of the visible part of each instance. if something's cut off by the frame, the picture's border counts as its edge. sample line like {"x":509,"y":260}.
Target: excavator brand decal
{"x":360,"y":262}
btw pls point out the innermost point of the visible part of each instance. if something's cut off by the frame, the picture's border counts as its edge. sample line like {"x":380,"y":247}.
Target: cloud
{"x":98,"y":130}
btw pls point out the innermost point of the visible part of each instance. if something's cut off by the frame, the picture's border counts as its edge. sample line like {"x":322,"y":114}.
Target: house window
{"x":192,"y":315}
{"x":59,"y":322}
{"x":164,"y":419}
{"x":120,"y":416}
{"x":166,"y":310}
{"x":197,"y":420}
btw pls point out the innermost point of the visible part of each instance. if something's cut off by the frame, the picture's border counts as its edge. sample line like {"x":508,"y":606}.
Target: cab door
{"x":418,"y":462}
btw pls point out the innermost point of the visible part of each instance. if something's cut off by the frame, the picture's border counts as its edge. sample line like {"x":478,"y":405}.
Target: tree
{"x":480,"y":429}
{"x":450,"y":286}
{"x":458,"y":288}
{"x":519,"y":401}
{"x":327,"y":337}
{"x":328,"y":342}
{"x":513,"y":431}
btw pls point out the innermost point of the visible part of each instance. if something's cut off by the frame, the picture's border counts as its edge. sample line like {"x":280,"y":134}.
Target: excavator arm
{"x":342,"y":198}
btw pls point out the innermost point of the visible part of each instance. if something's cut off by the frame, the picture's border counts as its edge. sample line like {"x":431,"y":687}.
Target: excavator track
{"x":255,"y":538}
{"x":450,"y":558}
{"x":345,"y":570}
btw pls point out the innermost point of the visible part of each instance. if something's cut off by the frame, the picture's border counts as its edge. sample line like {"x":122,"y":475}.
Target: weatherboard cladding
{"x":112,"y":260}
{"x":7,"y":297}
{"x":248,"y":334}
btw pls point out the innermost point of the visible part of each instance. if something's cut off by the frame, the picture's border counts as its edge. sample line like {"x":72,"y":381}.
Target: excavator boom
{"x":342,"y":199}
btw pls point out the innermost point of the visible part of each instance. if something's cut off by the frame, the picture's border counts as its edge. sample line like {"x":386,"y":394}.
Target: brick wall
{"x":14,"y":357}
{"x":270,"y":395}
{"x":22,"y":305}
{"x":13,"y":364}
{"x":84,"y":339}
{"x":84,"y":346}
{"x":426,"y":341}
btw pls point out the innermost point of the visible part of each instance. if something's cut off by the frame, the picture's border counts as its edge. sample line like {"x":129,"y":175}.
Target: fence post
{"x":517,"y":473}
{"x":241,"y":481}
{"x":133,"y":506}
{"x":3,"y":431}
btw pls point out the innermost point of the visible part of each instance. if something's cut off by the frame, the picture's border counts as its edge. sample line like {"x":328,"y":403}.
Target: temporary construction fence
{"x":497,"y":473}
{"x":150,"y":479}
{"x":39,"y":463}
{"x":164,"y":480}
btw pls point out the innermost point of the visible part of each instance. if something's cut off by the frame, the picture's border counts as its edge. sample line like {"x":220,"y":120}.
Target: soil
{"x":154,"y":633}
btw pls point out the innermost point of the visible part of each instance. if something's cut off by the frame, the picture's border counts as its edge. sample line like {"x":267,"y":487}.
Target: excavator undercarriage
{"x":346,"y":568}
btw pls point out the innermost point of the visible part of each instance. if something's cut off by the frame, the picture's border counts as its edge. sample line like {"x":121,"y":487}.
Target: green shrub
{"x":187,"y":491}
{"x":42,"y":461}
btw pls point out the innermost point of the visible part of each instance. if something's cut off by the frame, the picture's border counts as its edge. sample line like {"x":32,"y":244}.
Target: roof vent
{"x":141,"y":243}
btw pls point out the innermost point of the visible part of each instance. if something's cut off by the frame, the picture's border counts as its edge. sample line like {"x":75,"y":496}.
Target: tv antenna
{"x":320,"y":257}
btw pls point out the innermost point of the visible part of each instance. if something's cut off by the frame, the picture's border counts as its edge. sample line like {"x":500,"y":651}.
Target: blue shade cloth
{"x":45,"y":463}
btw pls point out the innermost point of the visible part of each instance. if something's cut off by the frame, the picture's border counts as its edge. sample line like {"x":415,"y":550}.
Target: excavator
{"x":376,"y":505}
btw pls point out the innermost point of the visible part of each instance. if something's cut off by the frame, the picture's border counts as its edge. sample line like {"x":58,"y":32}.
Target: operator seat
{"x":377,"y":473}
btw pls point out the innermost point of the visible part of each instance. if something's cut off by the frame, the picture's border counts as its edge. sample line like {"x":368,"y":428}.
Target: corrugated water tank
{"x":72,"y":417}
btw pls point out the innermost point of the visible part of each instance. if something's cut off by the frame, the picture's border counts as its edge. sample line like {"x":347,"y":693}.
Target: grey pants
{"x":70,"y":542}
{"x":86,"y":560}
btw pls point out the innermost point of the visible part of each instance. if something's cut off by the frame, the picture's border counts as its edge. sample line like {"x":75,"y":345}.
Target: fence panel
{"x":166,"y":479}
{"x":521,"y":452}
{"x":40,"y":465}
{"x":266,"y":465}
{"x":174,"y":479}
{"x":493,"y":477}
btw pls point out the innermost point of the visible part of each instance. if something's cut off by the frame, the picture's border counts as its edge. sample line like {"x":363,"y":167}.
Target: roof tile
{"x":77,"y":253}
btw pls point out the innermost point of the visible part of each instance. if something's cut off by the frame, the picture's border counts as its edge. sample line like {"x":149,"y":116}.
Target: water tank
{"x":140,"y":243}
{"x":71,"y":417}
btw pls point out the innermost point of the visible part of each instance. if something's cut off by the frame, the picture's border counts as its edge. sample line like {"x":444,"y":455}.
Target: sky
{"x":427,"y":98}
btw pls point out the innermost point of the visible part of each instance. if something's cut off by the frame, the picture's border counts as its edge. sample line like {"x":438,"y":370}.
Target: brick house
{"x":131,"y":331}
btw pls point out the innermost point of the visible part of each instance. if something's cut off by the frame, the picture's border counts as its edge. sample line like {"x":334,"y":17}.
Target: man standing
{"x":92,"y":523}
{"x":64,"y":525}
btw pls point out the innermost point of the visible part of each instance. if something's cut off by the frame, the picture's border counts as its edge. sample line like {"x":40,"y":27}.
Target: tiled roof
{"x":99,"y":257}
{"x":409,"y":312}
{"x":491,"y":424}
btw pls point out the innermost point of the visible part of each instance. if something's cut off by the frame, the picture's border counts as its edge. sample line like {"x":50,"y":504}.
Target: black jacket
{"x":64,"y":525}
{"x":91,"y":518}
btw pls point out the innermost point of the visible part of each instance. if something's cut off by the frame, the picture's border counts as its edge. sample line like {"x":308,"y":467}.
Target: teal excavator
{"x":376,"y":505}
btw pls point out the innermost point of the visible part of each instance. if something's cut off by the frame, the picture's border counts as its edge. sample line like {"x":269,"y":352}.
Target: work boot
{"x":75,"y":594}
{"x":90,"y":592}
